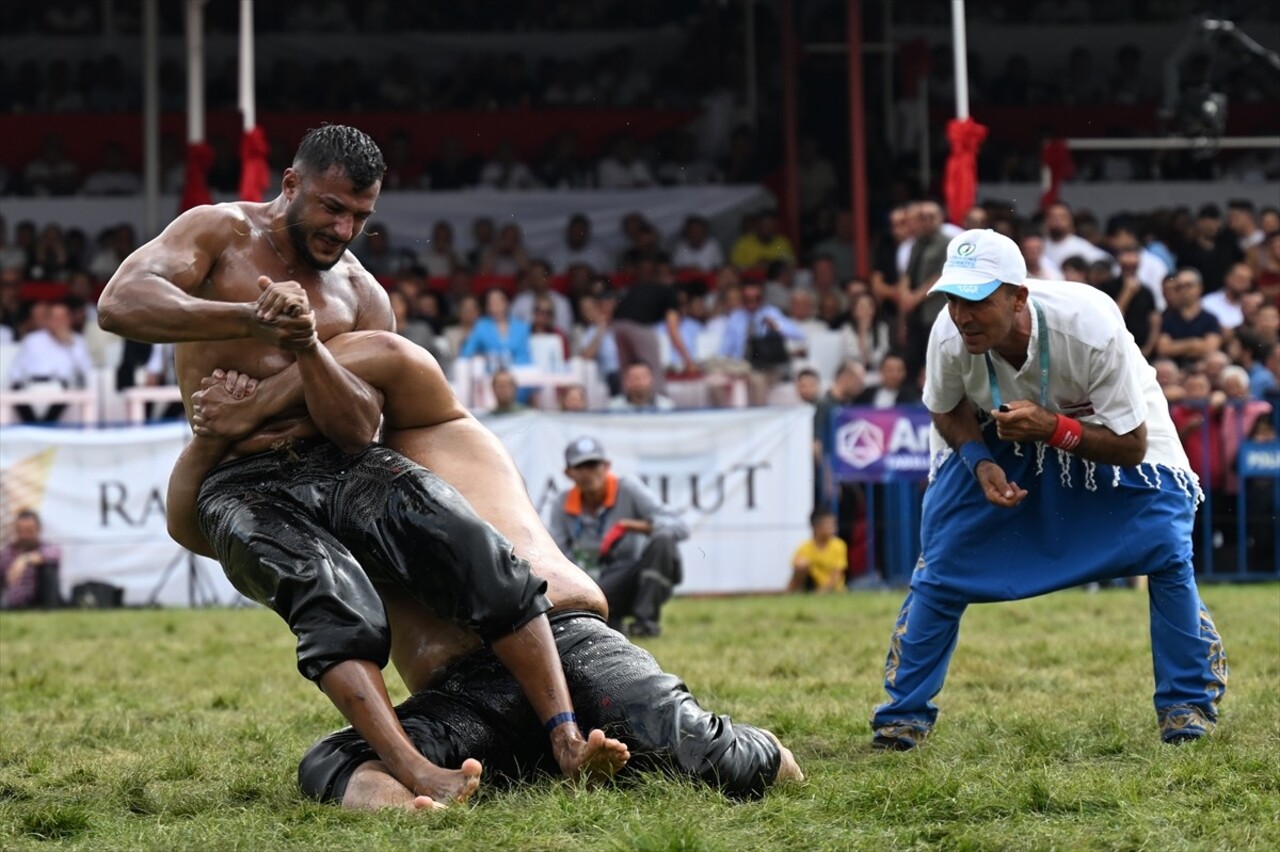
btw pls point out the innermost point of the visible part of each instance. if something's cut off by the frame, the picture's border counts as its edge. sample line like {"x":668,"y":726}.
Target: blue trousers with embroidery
{"x":1079,"y":523}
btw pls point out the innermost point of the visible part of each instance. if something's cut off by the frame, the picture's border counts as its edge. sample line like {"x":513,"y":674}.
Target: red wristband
{"x":1068,"y":434}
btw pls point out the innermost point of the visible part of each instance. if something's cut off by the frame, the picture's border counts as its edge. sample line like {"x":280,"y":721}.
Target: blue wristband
{"x":560,"y":719}
{"x":972,"y":453}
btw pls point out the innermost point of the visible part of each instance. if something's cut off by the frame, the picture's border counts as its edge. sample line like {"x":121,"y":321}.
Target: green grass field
{"x":182,"y":730}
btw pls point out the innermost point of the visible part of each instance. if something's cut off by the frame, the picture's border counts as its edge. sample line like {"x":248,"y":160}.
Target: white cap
{"x":978,"y":262}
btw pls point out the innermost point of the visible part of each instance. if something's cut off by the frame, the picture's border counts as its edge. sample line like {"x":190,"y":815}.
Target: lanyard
{"x":1042,"y":346}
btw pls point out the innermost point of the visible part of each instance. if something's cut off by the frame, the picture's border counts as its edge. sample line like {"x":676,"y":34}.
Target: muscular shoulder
{"x":373,"y":304}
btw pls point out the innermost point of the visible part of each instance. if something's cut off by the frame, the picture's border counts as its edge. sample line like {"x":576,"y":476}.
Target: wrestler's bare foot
{"x":449,"y":785}
{"x":788,"y":769}
{"x":371,"y":788}
{"x":593,"y":760}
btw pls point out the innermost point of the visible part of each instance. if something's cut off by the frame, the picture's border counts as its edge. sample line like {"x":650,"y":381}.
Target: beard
{"x":298,"y":235}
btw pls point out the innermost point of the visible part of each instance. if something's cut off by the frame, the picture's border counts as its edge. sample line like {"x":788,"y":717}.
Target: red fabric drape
{"x":960,"y":182}
{"x":1059,"y":167}
{"x":195,"y":185}
{"x":254,"y":176}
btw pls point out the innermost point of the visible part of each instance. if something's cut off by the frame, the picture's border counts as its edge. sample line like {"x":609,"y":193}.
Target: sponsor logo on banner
{"x":879,"y":445}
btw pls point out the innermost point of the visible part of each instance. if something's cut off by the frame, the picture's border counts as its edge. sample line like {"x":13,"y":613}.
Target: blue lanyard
{"x":1042,"y":346}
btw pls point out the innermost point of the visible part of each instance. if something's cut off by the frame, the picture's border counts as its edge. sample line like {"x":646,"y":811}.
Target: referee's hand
{"x":997,"y":489}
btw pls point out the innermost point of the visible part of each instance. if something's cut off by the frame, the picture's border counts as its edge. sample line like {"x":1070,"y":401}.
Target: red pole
{"x":858,"y":143}
{"x":791,"y":150}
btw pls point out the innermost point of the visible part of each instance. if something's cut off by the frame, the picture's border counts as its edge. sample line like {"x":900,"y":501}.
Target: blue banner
{"x":880,"y":444}
{"x":1259,"y":459}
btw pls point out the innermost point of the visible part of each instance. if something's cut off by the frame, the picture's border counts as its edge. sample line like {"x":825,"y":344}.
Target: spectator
{"x":1266,"y":268}
{"x":917,"y":310}
{"x":506,"y":394}
{"x":51,"y":173}
{"x":1061,"y":239}
{"x":499,"y":337}
{"x":161,"y":371}
{"x":1226,"y":304}
{"x":452,"y":170}
{"x":536,"y":288}
{"x":578,"y":248}
{"x":1187,"y":331}
{"x":1151,"y":270}
{"x":638,"y":393}
{"x":482,"y":233}
{"x":11,"y":256}
{"x":112,"y":178}
{"x":893,"y":252}
{"x":543,"y":321}
{"x":1136,"y":303}
{"x":563,"y":168}
{"x":816,"y":177}
{"x":867,"y":336}
{"x":762,"y":244}
{"x":29,"y":567}
{"x":618,"y":531}
{"x":1169,"y":377}
{"x":411,"y":328}
{"x":404,"y":171}
{"x":894,"y":389}
{"x":749,"y":326}
{"x":574,"y":398}
{"x":1076,"y":269}
{"x":1243,"y":223}
{"x":848,"y":384}
{"x":697,"y":248}
{"x":504,"y":171}
{"x":808,"y":386}
{"x":1038,"y":266}
{"x":114,"y":245}
{"x":646,"y":303}
{"x":440,"y":258}
{"x":839,"y":246}
{"x":597,"y":342}
{"x":466,"y":315}
{"x":803,"y":311}
{"x":53,"y":353}
{"x":377,"y":255}
{"x":1198,"y":419}
{"x":507,"y":255}
{"x":51,"y":262}
{"x":622,"y":168}
{"x":820,"y":563}
{"x":1211,"y":250}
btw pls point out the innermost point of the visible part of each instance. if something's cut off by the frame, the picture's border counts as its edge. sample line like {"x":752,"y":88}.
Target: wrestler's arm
{"x":197,"y":458}
{"x":149,"y":298}
{"x":958,"y":427}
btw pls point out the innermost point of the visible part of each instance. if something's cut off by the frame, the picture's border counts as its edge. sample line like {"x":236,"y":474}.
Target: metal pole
{"x":150,"y":118}
{"x":790,"y":123}
{"x":749,"y":54}
{"x":886,"y":71}
{"x":858,"y":143}
{"x":195,"y":70}
{"x":248,"y":104}
{"x":960,"y":59}
{"x":922,"y":105}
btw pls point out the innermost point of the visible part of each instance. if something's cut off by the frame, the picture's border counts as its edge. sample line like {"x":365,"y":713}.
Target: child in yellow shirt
{"x":820,"y":563}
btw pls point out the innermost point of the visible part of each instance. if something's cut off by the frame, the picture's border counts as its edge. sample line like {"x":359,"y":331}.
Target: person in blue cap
{"x":1054,"y":464}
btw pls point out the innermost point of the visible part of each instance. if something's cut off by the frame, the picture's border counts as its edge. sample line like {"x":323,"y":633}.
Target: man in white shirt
{"x":55,"y":353}
{"x":638,"y":393}
{"x":1227,"y":304}
{"x":1039,"y":384}
{"x":697,"y":248}
{"x":578,"y":248}
{"x":1061,"y":240}
{"x":537,"y":284}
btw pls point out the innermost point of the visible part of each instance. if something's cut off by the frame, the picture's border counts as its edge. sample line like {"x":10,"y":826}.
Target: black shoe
{"x":898,"y":737}
{"x":644,"y":629}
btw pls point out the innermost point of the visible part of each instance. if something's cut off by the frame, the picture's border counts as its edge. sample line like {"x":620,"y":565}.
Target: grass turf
{"x":182,"y":730}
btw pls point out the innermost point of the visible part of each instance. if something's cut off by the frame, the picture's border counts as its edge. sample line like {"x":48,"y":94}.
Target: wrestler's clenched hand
{"x":222,"y":407}
{"x":1023,"y":420}
{"x":283,"y":316}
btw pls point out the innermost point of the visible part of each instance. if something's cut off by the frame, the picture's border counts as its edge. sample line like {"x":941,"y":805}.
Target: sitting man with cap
{"x":1055,"y":464}
{"x":618,"y":531}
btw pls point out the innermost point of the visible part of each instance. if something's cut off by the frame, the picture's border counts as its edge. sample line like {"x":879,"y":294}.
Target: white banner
{"x":100,"y":495}
{"x":742,"y":479}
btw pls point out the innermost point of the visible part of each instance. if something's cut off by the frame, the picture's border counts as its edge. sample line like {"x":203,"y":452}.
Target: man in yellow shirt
{"x":819,"y":564}
{"x":761,"y":245}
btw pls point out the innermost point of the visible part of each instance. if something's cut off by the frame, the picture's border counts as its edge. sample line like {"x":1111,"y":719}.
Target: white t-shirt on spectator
{"x":1070,"y":245}
{"x":1151,"y":272}
{"x":708,"y":257}
{"x":1096,"y":372}
{"x":615,"y":174}
{"x":522,"y":309}
{"x":498,"y":175}
{"x":112,"y":183}
{"x":1049,"y":271}
{"x":43,"y":356}
{"x":1229,"y":315}
{"x":562,"y":258}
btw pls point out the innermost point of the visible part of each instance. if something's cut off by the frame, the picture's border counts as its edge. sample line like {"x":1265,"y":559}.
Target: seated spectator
{"x":482,"y":235}
{"x":578,"y":249}
{"x":29,"y":567}
{"x":638,"y":393}
{"x":762,"y":245}
{"x":505,"y":171}
{"x":11,"y":256}
{"x":697,"y":248}
{"x":839,"y":247}
{"x":535,"y":288}
{"x":1038,"y":266}
{"x":507,"y":255}
{"x":410,"y":327}
{"x":808,"y":386}
{"x":573,"y":398}
{"x":440,"y":258}
{"x":596,"y":341}
{"x":506,"y":394}
{"x":452,"y":170}
{"x":114,"y":245}
{"x":1169,"y":377}
{"x":544,"y":321}
{"x":820,"y":563}
{"x":623,"y":168}
{"x":1076,"y":268}
{"x":1151,"y":270}
{"x":867,"y":335}
{"x":112,"y":177}
{"x":563,"y":168}
{"x":51,"y":261}
{"x":52,"y":353}
{"x":1226,"y":304}
{"x":1187,"y":331}
{"x":894,"y":389}
{"x":1134,"y":300}
{"x":497,"y":336}
{"x":52,"y":173}
{"x":377,"y":255}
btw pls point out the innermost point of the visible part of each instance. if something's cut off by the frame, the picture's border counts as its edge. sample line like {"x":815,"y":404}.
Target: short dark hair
{"x":1076,"y":262}
{"x":1240,"y":204}
{"x":1209,"y":211}
{"x":344,"y":147}
{"x":28,"y":514}
{"x":807,"y":371}
{"x":820,"y":513}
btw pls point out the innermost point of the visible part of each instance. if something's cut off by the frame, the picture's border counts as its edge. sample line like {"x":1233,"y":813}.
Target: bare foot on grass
{"x":371,"y":788}
{"x":788,"y":769}
{"x":449,"y":785}
{"x":593,"y":760}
